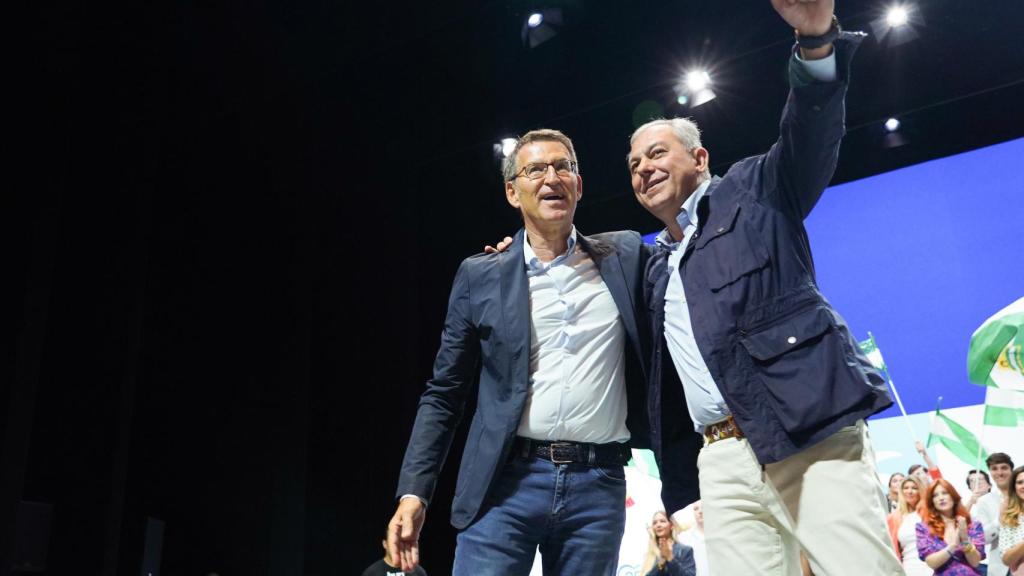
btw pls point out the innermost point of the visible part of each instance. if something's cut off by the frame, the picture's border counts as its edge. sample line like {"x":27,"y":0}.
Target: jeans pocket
{"x":611,"y":473}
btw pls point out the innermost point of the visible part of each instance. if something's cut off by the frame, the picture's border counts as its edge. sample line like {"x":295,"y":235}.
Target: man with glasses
{"x":747,"y":351}
{"x":550,"y":330}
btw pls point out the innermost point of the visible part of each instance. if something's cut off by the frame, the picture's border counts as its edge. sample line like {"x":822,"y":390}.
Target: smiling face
{"x":661,"y":526}
{"x":911,"y":494}
{"x":1018,"y":486}
{"x":547,"y":203}
{"x":1001,"y":474}
{"x":663,"y":171}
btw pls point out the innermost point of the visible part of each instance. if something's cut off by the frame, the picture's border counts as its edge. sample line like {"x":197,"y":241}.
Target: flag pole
{"x":895,"y":394}
{"x":981,"y":439}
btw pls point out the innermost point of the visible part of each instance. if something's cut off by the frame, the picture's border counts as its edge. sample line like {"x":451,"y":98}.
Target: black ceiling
{"x":246,"y":216}
{"x":461,"y":78}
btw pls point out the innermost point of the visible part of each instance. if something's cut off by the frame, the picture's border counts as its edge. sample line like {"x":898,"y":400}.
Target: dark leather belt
{"x":611,"y":454}
{"x":721,"y":430}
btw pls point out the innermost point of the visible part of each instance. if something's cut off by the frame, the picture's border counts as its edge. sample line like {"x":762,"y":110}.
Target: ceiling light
{"x":697,"y":80}
{"x":897,"y":16}
{"x":507,"y":146}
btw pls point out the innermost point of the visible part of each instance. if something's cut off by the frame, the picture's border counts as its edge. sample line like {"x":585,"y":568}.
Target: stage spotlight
{"x":697,"y":80}
{"x":897,"y":16}
{"x":894,"y":136}
{"x":507,"y":146}
{"x":695,"y":89}
{"x":897,"y":25}
{"x":503,"y":149}
{"x":541,"y":26}
{"x":702,"y":97}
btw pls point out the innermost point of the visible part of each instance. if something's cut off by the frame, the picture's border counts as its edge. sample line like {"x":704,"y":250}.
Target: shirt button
{"x":720,"y":230}
{"x":791,"y":339}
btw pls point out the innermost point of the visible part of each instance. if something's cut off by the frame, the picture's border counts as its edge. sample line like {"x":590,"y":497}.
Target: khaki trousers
{"x":825,"y":500}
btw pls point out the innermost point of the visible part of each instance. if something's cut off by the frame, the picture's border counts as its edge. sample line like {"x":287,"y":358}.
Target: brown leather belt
{"x":721,"y":430}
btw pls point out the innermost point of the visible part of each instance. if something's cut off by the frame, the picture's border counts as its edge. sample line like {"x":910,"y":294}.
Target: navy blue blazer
{"x":486,"y":343}
{"x":785,"y":361}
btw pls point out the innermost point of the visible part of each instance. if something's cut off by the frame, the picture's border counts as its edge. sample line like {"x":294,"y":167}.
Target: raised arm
{"x":800,"y":164}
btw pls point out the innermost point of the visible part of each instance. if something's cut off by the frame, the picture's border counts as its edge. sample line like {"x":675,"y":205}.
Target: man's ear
{"x":512,"y":195}
{"x":579,"y":188}
{"x":701,"y":157}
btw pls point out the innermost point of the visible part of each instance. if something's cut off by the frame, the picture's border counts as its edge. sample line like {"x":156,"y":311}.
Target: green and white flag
{"x":957,"y":439}
{"x":1004,"y":407}
{"x":996,"y":355}
{"x":644,"y":461}
{"x":870,"y":349}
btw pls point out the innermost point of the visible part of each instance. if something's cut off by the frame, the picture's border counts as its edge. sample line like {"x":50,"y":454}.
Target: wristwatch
{"x":812,"y":42}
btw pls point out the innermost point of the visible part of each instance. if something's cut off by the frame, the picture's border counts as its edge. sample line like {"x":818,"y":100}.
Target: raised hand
{"x":808,"y":17}
{"x":961,"y":527}
{"x":951,"y":536}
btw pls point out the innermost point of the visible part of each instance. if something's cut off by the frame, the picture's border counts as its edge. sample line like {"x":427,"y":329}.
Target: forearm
{"x":801,"y":163}
{"x":937,"y":560}
{"x":1014,"y":555}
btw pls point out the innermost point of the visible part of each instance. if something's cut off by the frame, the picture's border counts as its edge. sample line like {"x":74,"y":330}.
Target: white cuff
{"x":823,"y":70}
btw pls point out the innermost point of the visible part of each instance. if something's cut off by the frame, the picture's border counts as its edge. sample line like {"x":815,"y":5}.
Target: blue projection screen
{"x":920,"y":257}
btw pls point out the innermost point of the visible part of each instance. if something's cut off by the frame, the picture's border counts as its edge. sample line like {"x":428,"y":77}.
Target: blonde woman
{"x":902,"y":522}
{"x":666,"y":556}
{"x":1011,"y":525}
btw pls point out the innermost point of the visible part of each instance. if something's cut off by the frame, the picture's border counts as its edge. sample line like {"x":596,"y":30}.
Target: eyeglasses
{"x":538,"y":170}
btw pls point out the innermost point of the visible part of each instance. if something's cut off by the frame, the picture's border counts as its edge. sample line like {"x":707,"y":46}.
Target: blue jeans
{"x":575,"y":514}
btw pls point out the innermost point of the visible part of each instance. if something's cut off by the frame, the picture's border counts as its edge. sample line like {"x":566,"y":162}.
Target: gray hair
{"x":509,"y":166}
{"x":685,"y":130}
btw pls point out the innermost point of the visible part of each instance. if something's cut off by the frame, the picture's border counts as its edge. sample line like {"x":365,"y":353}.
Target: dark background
{"x":231,"y":261}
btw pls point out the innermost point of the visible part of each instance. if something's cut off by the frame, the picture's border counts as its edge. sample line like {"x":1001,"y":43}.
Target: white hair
{"x":685,"y":130}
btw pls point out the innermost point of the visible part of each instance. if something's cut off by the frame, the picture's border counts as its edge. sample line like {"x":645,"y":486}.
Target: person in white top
{"x":694,"y":538}
{"x":547,"y":335}
{"x":987,"y":508}
{"x":902,"y":523}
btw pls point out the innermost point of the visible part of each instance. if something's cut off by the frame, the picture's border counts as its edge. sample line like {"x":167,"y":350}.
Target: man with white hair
{"x":758,"y":361}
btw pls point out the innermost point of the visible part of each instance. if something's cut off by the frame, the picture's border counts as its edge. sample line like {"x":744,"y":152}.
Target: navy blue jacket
{"x":486,"y":343}
{"x":785,"y":361}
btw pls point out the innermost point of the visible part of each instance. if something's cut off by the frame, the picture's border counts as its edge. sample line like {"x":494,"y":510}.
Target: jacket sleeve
{"x":800,"y":164}
{"x":443,"y":403}
{"x":682,"y":563}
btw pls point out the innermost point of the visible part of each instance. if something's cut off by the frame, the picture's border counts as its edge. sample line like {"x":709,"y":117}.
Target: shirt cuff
{"x":404,"y":496}
{"x":807,"y":71}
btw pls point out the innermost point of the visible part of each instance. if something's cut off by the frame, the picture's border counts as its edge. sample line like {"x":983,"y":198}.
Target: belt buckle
{"x":551,"y":452}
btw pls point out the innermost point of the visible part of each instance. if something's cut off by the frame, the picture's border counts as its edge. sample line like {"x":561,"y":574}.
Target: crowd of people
{"x":936,"y":531}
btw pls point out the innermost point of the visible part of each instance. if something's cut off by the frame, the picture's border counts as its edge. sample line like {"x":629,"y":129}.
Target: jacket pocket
{"x":801,"y":363}
{"x":731,"y":251}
